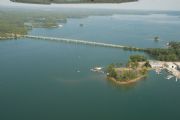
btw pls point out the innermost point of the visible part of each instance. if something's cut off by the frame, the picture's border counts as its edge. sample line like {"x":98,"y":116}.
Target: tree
{"x":137,"y":58}
{"x":147,"y":64}
{"x":111,"y":71}
{"x":166,"y":54}
{"x":119,"y":64}
{"x":143,"y":71}
{"x":133,"y":65}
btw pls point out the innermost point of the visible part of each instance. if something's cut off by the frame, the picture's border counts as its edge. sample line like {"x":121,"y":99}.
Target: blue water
{"x":39,"y":79}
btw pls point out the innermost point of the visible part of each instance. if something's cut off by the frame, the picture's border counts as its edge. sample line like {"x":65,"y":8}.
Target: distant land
{"x":14,"y":22}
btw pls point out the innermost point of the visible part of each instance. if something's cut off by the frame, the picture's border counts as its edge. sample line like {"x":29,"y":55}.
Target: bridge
{"x":81,"y":42}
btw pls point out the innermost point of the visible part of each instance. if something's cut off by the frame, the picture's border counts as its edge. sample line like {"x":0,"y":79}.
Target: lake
{"x":51,"y":80}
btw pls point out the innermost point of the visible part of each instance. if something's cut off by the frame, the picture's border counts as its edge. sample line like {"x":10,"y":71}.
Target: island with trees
{"x":136,"y":69}
{"x":138,"y":65}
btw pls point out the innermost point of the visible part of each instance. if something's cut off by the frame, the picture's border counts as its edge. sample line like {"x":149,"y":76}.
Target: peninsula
{"x":136,"y":69}
{"x":138,"y":65}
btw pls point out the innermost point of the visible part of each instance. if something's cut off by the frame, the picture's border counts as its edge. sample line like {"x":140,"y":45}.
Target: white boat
{"x":60,"y":25}
{"x":169,"y":77}
{"x":96,"y":69}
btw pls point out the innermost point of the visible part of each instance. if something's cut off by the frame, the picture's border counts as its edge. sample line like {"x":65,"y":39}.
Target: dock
{"x":171,"y":67}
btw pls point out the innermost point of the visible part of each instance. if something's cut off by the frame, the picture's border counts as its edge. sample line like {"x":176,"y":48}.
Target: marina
{"x":171,"y":67}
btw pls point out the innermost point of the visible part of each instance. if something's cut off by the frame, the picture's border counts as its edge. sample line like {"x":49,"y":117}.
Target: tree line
{"x":172,"y":53}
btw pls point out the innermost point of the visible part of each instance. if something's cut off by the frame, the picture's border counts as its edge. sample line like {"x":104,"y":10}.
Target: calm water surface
{"x":39,"y":79}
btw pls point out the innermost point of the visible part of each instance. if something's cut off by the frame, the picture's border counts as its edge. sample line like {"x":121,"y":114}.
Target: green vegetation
{"x":137,"y":58}
{"x":14,"y":22}
{"x":130,"y":48}
{"x":18,"y":21}
{"x":172,"y":53}
{"x":134,"y":61}
{"x":10,"y":23}
{"x":126,"y":75}
{"x":111,"y":71}
{"x":136,"y":68}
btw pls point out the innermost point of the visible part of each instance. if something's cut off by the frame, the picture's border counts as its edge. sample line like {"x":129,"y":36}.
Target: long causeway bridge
{"x":81,"y":42}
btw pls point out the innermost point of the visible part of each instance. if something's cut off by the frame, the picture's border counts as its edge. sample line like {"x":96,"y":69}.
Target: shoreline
{"x":9,"y":37}
{"x":128,"y":81}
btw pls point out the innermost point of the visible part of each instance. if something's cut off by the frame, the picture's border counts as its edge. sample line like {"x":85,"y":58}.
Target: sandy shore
{"x":126,"y":82}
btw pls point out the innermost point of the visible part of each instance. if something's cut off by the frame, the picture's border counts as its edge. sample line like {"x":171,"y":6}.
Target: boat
{"x":169,"y":77}
{"x":156,"y":38}
{"x":60,"y":26}
{"x":176,"y":79}
{"x":97,"y":69}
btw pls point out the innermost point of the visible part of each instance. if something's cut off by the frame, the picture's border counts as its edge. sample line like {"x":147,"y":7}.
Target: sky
{"x":141,"y":4}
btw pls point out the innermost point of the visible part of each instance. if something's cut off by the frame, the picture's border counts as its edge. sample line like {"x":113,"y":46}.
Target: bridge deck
{"x":79,"y":41}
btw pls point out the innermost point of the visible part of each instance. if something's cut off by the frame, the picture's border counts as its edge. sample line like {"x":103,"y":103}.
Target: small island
{"x":136,"y":69}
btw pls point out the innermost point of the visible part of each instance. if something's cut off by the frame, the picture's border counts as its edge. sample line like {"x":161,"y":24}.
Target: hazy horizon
{"x":140,"y":5}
